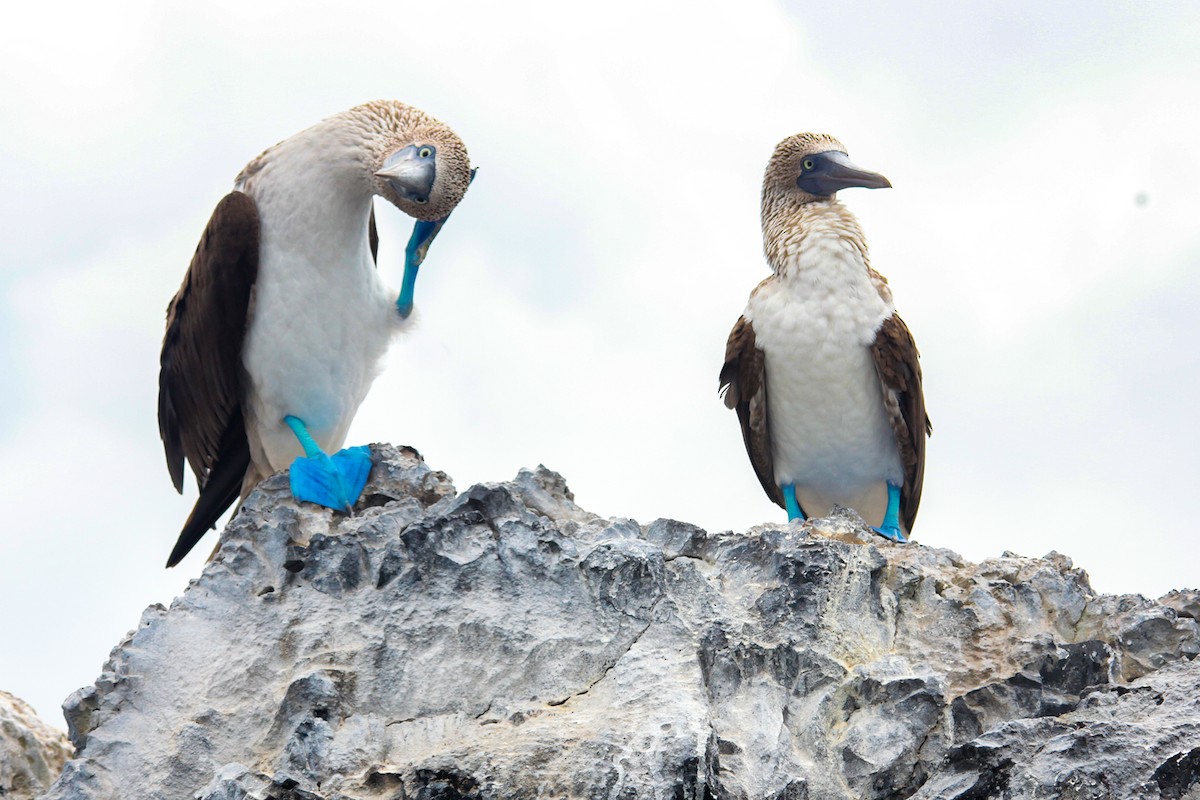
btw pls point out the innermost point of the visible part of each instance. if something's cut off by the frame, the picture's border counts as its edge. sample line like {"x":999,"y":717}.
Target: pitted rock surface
{"x":504,"y":643}
{"x":31,"y":752}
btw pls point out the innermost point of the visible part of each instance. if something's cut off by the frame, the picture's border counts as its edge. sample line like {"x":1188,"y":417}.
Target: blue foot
{"x":890,"y":529}
{"x":892,"y":532}
{"x":332,"y":481}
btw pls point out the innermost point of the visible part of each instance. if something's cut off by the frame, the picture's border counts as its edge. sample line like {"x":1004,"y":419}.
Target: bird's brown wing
{"x":200,"y":386}
{"x":744,"y":387}
{"x":896,"y":363}
{"x":373,"y":237}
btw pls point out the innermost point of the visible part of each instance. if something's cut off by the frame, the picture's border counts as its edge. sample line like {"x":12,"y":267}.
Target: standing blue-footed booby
{"x":275,"y":335}
{"x":822,"y":371}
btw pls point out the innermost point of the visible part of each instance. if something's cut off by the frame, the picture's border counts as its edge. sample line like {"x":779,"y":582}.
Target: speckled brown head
{"x":384,"y":147}
{"x":418,"y":163}
{"x":808,"y":167}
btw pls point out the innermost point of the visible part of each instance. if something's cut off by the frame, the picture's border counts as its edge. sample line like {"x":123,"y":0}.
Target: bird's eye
{"x":425,"y":152}
{"x":809,"y":163}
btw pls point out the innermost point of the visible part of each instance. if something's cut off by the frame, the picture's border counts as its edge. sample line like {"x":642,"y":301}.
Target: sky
{"x":1041,"y":239}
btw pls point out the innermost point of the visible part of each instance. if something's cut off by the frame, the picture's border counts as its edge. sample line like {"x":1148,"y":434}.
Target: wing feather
{"x":200,"y":385}
{"x":373,"y":237}
{"x":899,"y":369}
{"x":743,"y":383}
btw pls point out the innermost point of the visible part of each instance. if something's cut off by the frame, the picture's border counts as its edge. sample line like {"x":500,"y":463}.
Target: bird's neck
{"x":314,"y":190}
{"x":813,"y":243}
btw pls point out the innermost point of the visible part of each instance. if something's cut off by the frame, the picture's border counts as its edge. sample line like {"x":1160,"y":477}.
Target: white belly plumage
{"x":830,"y":433}
{"x":828,"y":425}
{"x":313,"y":346}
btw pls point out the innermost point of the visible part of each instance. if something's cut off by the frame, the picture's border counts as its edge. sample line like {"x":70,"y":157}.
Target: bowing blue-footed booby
{"x":822,"y":371}
{"x":275,"y":335}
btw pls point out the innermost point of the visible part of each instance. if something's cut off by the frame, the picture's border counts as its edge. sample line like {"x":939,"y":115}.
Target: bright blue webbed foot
{"x":332,"y":481}
{"x":892,"y":532}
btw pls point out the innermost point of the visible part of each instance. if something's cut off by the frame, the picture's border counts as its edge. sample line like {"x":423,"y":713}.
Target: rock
{"x":1186,"y":602}
{"x":31,"y":752}
{"x":1135,"y":742}
{"x":504,"y":643}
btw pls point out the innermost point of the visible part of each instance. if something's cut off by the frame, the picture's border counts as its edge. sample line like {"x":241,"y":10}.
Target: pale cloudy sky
{"x":1042,"y":239}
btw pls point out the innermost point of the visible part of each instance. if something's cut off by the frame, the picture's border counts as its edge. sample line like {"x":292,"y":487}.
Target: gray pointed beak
{"x":409,"y":175}
{"x":838,"y":172}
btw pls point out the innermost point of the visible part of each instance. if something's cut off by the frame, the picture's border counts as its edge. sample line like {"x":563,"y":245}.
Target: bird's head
{"x":808,"y":167}
{"x":424,"y":170}
{"x":420,"y":166}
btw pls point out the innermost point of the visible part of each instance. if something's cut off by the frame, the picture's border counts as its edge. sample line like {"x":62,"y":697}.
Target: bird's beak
{"x":841,"y":173}
{"x":409,"y":175}
{"x":423,"y":234}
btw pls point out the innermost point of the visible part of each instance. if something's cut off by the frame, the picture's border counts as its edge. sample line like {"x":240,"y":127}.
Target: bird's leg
{"x":890,"y":529}
{"x":793,"y":505}
{"x":415,"y":251}
{"x":332,"y":481}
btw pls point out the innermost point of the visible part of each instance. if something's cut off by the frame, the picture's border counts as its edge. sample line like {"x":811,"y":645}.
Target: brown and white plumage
{"x":282,"y":311}
{"x":821,"y":370}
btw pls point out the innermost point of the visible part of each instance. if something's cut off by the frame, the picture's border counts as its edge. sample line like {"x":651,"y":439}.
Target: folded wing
{"x":200,"y":384}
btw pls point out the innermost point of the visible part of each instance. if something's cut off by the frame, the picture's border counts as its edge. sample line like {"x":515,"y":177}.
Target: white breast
{"x":830,"y":434}
{"x":322,"y":318}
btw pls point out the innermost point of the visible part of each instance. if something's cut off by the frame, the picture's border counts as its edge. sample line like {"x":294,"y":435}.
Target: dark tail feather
{"x":220,"y":491}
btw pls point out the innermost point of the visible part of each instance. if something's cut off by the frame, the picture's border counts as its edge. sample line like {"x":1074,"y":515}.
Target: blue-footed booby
{"x":822,"y":371}
{"x":276,"y":334}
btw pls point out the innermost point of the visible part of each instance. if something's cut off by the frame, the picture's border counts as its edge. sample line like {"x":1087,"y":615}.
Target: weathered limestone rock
{"x":31,"y":752}
{"x":504,"y":643}
{"x":1135,"y":741}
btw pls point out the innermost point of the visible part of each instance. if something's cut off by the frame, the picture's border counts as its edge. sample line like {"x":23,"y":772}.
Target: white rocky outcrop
{"x":504,"y":643}
{"x":31,"y":752}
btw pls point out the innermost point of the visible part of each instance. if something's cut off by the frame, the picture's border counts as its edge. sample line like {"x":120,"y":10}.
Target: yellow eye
{"x":425,"y":152}
{"x":808,"y":163}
